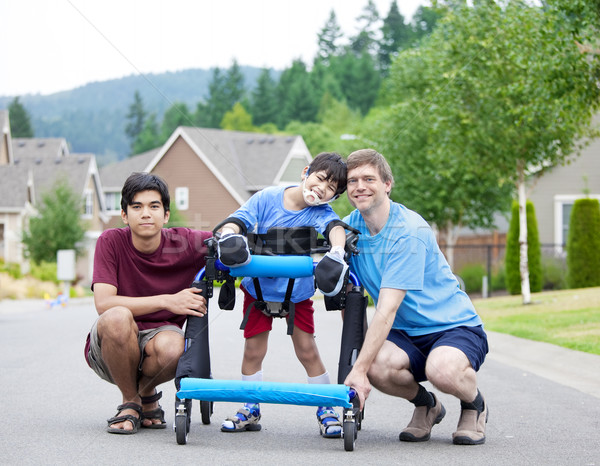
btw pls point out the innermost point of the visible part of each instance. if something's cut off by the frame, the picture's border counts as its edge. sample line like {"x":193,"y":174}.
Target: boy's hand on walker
{"x":233,"y":250}
{"x":331,"y":271}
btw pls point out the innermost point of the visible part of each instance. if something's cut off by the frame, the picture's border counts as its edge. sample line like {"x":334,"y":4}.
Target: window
{"x":563,"y":204}
{"x":182,"y":198}
{"x":88,"y":203}
{"x":113,"y":202}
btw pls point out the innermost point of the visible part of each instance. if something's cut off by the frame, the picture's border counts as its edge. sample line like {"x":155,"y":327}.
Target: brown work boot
{"x":424,"y":418}
{"x":471,"y":427}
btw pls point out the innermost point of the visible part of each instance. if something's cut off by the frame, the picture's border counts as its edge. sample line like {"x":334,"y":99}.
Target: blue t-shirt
{"x":405,"y":255}
{"x":265,"y":210}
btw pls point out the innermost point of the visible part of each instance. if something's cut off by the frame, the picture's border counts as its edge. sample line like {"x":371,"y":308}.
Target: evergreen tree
{"x":366,"y":39}
{"x":296,"y":95}
{"x":20,"y":121}
{"x":176,"y":115}
{"x":264,"y":106}
{"x":224,"y":91}
{"x":395,"y":35}
{"x":328,"y":37}
{"x":58,"y":226}
{"x":136,"y":118}
{"x":234,"y":85}
{"x":149,"y":138}
{"x":424,"y":21}
{"x":583,"y":244}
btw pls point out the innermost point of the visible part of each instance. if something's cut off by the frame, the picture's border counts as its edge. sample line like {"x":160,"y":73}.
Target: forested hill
{"x":92,"y":117}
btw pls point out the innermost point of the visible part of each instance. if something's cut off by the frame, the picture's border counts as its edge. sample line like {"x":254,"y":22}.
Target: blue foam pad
{"x":265,"y":392}
{"x":275,"y":266}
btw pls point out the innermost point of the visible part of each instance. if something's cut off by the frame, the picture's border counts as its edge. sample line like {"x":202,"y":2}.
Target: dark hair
{"x":137,"y":182}
{"x":334,"y":166}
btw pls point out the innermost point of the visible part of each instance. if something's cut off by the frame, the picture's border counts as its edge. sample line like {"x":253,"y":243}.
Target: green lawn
{"x":568,"y":318}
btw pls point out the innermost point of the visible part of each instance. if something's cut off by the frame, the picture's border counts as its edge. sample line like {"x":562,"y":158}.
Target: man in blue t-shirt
{"x":424,"y":327}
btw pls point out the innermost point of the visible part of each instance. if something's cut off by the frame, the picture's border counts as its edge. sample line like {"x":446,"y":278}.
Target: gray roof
{"x":13,"y":186}
{"x":39,"y":148}
{"x":73,"y":168}
{"x":113,"y":176}
{"x":247,"y":161}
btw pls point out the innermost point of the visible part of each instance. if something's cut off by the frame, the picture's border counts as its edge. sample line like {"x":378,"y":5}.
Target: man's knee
{"x":445,"y":364}
{"x":116,"y":323}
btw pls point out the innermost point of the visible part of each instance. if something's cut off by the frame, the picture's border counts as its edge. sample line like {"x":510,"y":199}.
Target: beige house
{"x":554,"y":193}
{"x":211,"y":172}
{"x":33,"y":167}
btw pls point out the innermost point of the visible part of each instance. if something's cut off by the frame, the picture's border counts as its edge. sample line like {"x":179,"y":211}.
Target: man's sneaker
{"x":424,"y":418}
{"x":246,"y":418}
{"x":471,"y":427}
{"x":329,"y":422}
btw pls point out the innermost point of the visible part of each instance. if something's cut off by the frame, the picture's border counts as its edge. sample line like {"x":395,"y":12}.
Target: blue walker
{"x":193,"y":379}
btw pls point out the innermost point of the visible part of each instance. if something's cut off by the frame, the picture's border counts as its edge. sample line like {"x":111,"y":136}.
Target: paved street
{"x":544,"y":403}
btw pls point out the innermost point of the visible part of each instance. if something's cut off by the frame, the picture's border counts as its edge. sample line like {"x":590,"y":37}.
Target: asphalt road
{"x":544,"y":403}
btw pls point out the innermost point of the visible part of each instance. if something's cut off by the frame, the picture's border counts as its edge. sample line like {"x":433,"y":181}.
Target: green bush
{"x":472,"y":275}
{"x":44,"y":271}
{"x":583,"y":244}
{"x":555,"y":273}
{"x":513,"y":251}
{"x":12,"y":269}
{"x":499,"y":278}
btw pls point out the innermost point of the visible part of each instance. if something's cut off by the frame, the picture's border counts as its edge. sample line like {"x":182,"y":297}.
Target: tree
{"x":264,"y":106}
{"x":149,"y":138}
{"x":395,"y":35}
{"x":176,"y":115}
{"x":237,"y":119}
{"x":224,"y":90}
{"x":513,"y":251}
{"x":503,"y":87}
{"x":366,"y":39}
{"x":58,"y":226}
{"x":298,"y":98}
{"x":20,"y":121}
{"x":327,"y":39}
{"x":136,"y":119}
{"x":583,"y":244}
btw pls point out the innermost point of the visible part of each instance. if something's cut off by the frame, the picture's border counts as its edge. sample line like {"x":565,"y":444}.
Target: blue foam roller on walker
{"x":275,"y":266}
{"x":265,"y":392}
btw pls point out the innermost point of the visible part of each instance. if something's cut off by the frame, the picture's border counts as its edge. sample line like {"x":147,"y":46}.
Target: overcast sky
{"x":52,"y":45}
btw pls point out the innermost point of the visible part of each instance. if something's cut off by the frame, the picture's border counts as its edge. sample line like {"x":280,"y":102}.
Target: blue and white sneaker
{"x":245,"y":419}
{"x":329,"y":422}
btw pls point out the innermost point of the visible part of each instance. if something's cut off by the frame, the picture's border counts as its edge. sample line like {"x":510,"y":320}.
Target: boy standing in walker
{"x":305,"y":205}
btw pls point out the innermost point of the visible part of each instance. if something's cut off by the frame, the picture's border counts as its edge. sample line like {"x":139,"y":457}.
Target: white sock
{"x":257,"y":377}
{"x":323,"y":378}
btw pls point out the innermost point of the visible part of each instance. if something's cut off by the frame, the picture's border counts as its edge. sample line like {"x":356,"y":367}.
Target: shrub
{"x":12,"y":269}
{"x":472,"y":275}
{"x":583,"y":244}
{"x":513,"y":251}
{"x":555,"y":273}
{"x":44,"y":271}
{"x":499,"y":278}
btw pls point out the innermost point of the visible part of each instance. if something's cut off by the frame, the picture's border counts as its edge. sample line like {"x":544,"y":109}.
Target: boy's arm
{"x":185,"y":302}
{"x":233,"y":250}
{"x":331,"y":270}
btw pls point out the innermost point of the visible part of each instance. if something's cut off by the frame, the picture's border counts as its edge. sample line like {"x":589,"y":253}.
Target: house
{"x":554,"y":193}
{"x":212,"y":172}
{"x":34,"y":166}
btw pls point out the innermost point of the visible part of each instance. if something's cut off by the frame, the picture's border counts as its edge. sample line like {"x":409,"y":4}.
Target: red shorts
{"x":258,"y":322}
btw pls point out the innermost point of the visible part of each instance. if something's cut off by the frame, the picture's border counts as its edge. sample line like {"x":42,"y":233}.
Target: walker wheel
{"x":349,"y":435}
{"x":181,"y":428}
{"x":206,"y":410}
